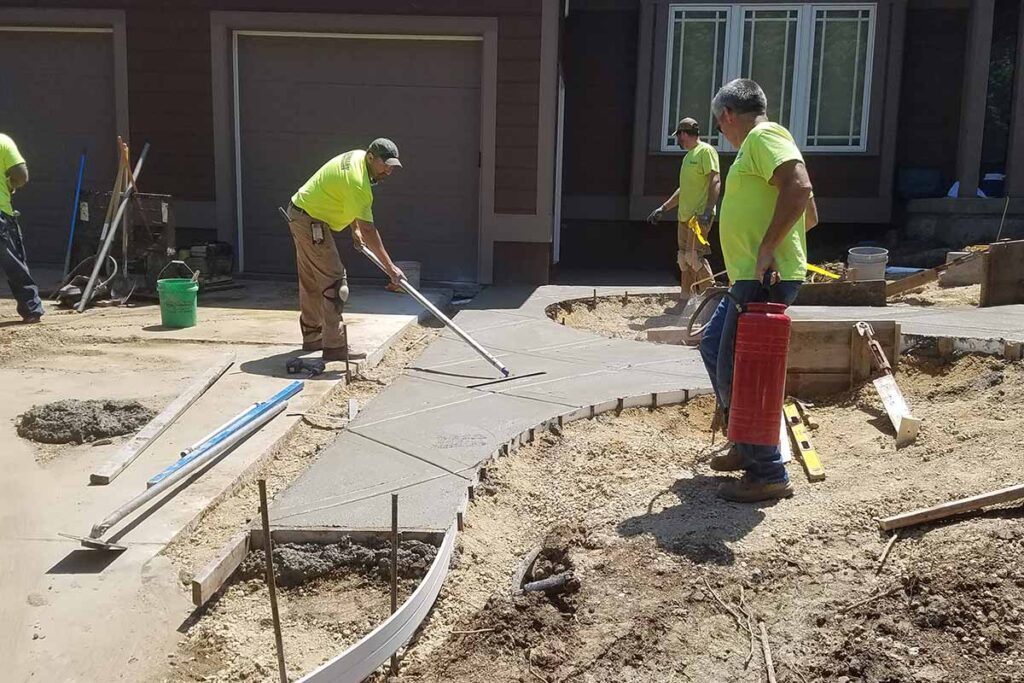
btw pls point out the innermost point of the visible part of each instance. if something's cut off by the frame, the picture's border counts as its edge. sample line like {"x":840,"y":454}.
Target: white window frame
{"x":806,"y":26}
{"x":670,"y":125}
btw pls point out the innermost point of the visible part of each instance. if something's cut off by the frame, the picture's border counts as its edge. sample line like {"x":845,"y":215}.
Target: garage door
{"x":304,"y":100}
{"x":56,"y":98}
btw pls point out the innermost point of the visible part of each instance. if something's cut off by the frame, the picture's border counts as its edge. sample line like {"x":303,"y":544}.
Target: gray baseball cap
{"x":386,"y":151}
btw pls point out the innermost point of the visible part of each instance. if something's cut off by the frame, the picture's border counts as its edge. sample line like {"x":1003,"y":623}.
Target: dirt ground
{"x":650,"y":541}
{"x":630,"y":318}
{"x":231,"y":638}
{"x":935,"y":295}
{"x":622,"y":317}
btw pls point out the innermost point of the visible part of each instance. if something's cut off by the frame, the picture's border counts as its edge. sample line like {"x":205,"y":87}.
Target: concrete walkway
{"x":426,"y":435}
{"x":70,"y":614}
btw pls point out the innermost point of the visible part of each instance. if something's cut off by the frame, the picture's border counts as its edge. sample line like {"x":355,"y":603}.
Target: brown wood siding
{"x":600,"y":54}
{"x":933,"y":67}
{"x":832,"y":175}
{"x":170,"y":99}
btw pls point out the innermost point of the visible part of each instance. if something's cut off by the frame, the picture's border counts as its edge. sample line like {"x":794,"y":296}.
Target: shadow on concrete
{"x":274,"y":366}
{"x":701,"y":526}
{"x":84,"y":561}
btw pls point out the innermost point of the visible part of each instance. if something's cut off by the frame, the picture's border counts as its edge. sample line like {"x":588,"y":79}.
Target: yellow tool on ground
{"x":821,"y":271}
{"x":808,"y":456}
{"x":694,"y":225}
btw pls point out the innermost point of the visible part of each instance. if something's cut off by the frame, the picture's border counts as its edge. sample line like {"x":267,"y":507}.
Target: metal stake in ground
{"x":394,"y":571}
{"x":268,"y":551}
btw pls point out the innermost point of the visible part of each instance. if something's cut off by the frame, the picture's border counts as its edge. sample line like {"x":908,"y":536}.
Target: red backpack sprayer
{"x":760,"y":356}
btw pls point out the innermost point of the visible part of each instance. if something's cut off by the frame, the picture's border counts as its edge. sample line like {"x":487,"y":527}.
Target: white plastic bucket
{"x":411,"y":270}
{"x":867,"y":263}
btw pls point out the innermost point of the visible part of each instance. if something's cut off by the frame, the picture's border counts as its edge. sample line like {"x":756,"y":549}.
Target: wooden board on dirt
{"x":1002,"y":278}
{"x":861,"y":293}
{"x":825,"y":355}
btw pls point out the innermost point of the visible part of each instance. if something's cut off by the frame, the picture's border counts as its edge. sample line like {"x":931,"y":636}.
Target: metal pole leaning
{"x":105,"y":247}
{"x":423,"y":301}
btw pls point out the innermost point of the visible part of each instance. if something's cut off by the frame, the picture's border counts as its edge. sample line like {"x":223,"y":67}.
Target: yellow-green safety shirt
{"x":749,"y":204}
{"x":339,"y":192}
{"x":697,"y":165}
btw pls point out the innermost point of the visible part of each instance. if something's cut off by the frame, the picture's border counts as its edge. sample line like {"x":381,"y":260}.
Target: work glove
{"x":704,"y":220}
{"x":655,"y":216}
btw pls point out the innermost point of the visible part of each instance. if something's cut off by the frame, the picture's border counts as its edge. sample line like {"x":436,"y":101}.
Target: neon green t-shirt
{"x":9,"y":157}
{"x":698,"y":164}
{"x":749,"y":204}
{"x":339,"y":192}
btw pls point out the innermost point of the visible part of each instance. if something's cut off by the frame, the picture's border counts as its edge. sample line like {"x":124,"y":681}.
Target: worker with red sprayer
{"x":763,"y":234}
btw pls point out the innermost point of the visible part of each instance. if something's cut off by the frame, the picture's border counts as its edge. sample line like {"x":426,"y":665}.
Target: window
{"x":813,"y":61}
{"x":696,"y":67}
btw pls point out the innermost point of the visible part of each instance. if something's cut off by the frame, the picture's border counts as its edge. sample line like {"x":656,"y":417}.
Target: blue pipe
{"x":74,"y":213}
{"x":243,"y":418}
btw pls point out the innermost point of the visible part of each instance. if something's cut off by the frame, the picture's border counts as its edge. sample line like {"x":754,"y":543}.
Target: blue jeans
{"x":763,"y":463}
{"x":15,"y":267}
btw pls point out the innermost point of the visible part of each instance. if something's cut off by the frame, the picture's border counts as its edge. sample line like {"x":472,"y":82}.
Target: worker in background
{"x":339,"y":195}
{"x":696,"y":197}
{"x":763,"y":233}
{"x":12,"y":247}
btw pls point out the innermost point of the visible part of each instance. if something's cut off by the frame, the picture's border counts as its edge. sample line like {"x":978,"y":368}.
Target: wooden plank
{"x":925,"y":276}
{"x":808,"y":455}
{"x":1002,"y":280}
{"x":814,"y":384}
{"x":930,"y":514}
{"x":860,"y":293}
{"x":906,"y":425}
{"x":208,"y":580}
{"x":860,"y":358}
{"x":824,"y":345}
{"x":131,"y":450}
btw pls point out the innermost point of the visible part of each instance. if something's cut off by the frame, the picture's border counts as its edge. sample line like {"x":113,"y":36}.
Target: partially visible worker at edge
{"x":338,"y":195}
{"x":696,"y":197}
{"x":14,"y":176}
{"x":763,"y":231}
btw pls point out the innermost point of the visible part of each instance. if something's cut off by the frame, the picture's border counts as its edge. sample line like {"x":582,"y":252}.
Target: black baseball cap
{"x":386,"y":151}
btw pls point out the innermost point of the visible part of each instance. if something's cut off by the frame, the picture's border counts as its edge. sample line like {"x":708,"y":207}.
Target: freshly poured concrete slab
{"x":350,"y":474}
{"x":424,"y":436}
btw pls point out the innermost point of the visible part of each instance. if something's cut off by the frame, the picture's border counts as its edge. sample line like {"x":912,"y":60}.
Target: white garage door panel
{"x":56,"y":98}
{"x":305,"y":100}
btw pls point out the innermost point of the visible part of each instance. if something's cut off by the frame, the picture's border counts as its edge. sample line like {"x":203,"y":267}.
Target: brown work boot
{"x":746,"y":490}
{"x":731,"y":461}
{"x":338,"y":353}
{"x":317,"y":345}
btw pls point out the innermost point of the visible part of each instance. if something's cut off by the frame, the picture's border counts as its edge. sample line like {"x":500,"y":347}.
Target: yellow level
{"x":694,"y":225}
{"x":808,"y":456}
{"x":821,"y":271}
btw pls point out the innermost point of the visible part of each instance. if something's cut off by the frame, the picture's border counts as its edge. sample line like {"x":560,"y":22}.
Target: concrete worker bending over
{"x":763,"y":232}
{"x":338,"y":195}
{"x":697,"y":196}
{"x":12,"y":249}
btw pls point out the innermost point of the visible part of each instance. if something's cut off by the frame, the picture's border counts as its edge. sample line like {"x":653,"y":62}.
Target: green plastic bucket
{"x":178,"y":300}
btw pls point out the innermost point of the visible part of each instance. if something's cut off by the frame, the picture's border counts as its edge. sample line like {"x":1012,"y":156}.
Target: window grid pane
{"x":838,"y":74}
{"x":769,"y":57}
{"x":697,"y":59}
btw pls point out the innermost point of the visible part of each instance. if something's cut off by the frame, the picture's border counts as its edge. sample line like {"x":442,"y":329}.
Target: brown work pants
{"x":320,"y":268}
{"x":693,"y":267}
